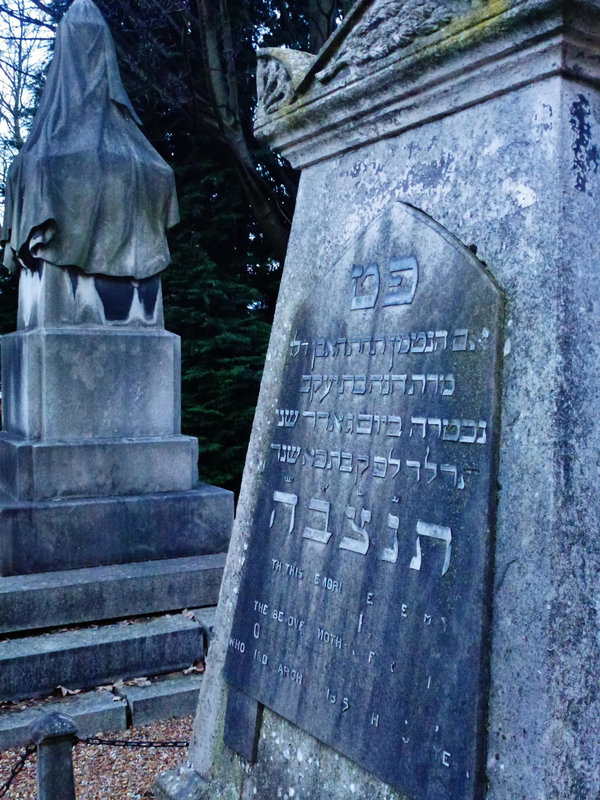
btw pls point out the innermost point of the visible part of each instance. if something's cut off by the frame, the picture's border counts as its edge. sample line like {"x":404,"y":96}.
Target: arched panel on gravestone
{"x":364,"y":607}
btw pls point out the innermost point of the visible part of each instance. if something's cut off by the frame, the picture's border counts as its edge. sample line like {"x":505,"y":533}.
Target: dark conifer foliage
{"x":189,"y":69}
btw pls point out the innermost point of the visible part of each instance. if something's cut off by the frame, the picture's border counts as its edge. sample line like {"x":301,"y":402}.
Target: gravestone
{"x":363,"y":610}
{"x":407,"y":605}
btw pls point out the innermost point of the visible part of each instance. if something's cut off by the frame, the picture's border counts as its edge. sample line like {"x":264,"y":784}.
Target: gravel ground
{"x":103,"y":772}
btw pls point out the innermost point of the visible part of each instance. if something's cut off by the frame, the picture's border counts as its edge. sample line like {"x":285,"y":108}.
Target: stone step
{"x":162,"y":699}
{"x":92,"y":712}
{"x":34,"y":666}
{"x":102,"y":711}
{"x":52,"y":599}
{"x":91,"y":532}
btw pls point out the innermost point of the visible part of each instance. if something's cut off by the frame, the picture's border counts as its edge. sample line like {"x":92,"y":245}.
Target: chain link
{"x":132,"y":743}
{"x":23,"y":758}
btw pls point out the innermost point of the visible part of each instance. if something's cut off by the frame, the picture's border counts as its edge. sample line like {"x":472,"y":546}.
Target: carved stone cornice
{"x":279,"y":72}
{"x":367,"y":84}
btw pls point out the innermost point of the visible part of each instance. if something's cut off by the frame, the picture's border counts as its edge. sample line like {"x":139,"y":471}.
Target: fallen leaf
{"x":140,"y":682}
{"x":197,"y":666}
{"x":65,"y":691}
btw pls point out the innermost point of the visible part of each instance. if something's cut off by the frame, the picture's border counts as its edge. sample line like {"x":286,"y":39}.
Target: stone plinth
{"x":89,"y":532}
{"x":87,"y":383}
{"x":54,"y":469}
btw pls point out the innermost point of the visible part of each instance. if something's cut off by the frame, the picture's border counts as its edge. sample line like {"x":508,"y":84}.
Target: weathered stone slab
{"x":92,"y":712}
{"x":87,"y":383}
{"x":72,"y":534}
{"x":34,"y":666}
{"x":44,"y":470}
{"x":364,"y":608}
{"x":52,"y":599}
{"x":490,"y":125}
{"x":164,"y":699}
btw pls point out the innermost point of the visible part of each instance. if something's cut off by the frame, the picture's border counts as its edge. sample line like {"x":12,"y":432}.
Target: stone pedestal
{"x":93,"y":467}
{"x":83,"y":383}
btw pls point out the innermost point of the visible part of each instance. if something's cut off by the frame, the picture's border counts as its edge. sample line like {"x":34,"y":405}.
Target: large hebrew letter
{"x":391,"y":553}
{"x":290,"y":417}
{"x":434,"y":532}
{"x":448,"y":391}
{"x":435,"y":378}
{"x":468,"y":438}
{"x":380,"y":465}
{"x":482,"y":427}
{"x":360,"y":545}
{"x":429,"y":465}
{"x":289,"y":500}
{"x":296,"y":344}
{"x":346,"y":462}
{"x":393,"y":462}
{"x":318,"y":534}
{"x":293,"y":453}
{"x":461,"y":337}
{"x":365,"y":424}
{"x":308,"y":457}
{"x":371,"y":289}
{"x":320,"y":459}
{"x":328,"y":380}
{"x":278,"y":448}
{"x":418,"y":342}
{"x":441,"y":335}
{"x":404,"y":275}
{"x":422,"y":421}
{"x":421,"y":380}
{"x":311,"y":414}
{"x":394,"y":421}
{"x":451,"y":432}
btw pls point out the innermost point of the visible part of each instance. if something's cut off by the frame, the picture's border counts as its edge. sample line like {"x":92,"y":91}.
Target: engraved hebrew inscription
{"x":364,"y":604}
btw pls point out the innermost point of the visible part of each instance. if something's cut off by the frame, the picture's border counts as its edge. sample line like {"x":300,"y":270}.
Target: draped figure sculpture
{"x":87,"y":194}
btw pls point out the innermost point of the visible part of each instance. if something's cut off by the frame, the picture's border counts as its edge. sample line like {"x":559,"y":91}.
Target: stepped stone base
{"x":164,"y":699}
{"x":104,"y":711}
{"x":93,"y":712}
{"x":72,"y":534}
{"x":101,"y":514}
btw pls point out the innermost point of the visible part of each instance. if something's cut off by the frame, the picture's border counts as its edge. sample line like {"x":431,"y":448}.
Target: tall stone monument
{"x":410,"y":603}
{"x":94,"y":469}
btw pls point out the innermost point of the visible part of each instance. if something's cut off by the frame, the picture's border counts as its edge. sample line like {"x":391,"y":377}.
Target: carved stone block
{"x":84,"y":383}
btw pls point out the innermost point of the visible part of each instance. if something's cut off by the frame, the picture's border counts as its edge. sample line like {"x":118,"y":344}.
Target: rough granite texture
{"x":514,"y":175}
